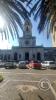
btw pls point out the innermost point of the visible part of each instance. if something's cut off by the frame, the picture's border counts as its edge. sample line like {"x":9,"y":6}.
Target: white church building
{"x":27,"y":49}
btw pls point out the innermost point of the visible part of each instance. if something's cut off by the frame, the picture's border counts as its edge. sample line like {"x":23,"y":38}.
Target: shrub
{"x":1,"y":78}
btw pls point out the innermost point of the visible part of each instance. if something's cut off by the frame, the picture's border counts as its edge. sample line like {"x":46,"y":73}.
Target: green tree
{"x":13,"y":11}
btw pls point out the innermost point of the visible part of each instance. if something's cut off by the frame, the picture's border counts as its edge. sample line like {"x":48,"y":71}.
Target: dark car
{"x":52,"y":65}
{"x":34,"y":64}
{"x":10,"y":65}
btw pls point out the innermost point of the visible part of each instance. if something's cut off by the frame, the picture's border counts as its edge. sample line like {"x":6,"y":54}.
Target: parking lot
{"x":17,"y":77}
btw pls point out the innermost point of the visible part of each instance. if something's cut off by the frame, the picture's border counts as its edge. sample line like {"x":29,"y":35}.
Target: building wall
{"x":21,"y":53}
{"x":31,"y":51}
{"x":27,"y":42}
{"x":50,"y":53}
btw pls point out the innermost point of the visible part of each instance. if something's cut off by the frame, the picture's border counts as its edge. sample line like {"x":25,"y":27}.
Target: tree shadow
{"x":21,"y":97}
{"x":40,"y":97}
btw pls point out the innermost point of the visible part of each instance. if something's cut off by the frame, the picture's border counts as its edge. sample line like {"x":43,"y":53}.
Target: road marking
{"x":33,"y":74}
{"x":53,"y":91}
{"x":4,"y":84}
{"x":4,"y":72}
{"x":25,"y":81}
{"x":14,"y":81}
{"x":26,"y":73}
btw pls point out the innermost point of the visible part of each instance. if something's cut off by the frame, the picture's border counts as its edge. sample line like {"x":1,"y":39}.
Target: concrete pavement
{"x":15,"y":77}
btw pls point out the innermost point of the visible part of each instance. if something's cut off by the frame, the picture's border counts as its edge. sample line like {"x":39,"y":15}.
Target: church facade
{"x":27,"y":49}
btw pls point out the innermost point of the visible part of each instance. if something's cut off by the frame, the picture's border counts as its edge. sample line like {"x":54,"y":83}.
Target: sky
{"x":41,"y":39}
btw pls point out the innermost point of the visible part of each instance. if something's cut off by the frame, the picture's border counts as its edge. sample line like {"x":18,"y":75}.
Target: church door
{"x":26,"y":55}
{"x":15,"y":56}
{"x":38,"y":56}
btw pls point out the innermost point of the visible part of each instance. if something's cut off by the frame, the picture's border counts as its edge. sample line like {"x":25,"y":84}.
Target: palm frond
{"x":44,"y":9}
{"x":14,"y":13}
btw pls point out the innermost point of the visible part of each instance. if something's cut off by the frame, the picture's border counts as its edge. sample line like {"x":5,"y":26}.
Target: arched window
{"x":33,"y":55}
{"x":9,"y":57}
{"x":38,"y":56}
{"x":19,"y":56}
{"x":5,"y":57}
{"x":1,"y":56}
{"x":15,"y":56}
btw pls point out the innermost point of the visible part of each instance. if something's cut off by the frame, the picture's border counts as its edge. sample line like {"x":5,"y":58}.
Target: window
{"x":1,"y":56}
{"x":27,"y":28}
{"x":52,"y":62}
{"x":38,"y":56}
{"x":19,"y":56}
{"x":33,"y":55}
{"x":9,"y":57}
{"x":15,"y":56}
{"x":26,"y":42}
{"x":5,"y":57}
{"x":26,"y":55}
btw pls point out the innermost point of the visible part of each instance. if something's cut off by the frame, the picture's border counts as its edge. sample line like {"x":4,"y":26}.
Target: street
{"x":15,"y":77}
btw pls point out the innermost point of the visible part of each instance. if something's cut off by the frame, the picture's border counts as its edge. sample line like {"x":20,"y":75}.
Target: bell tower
{"x":27,"y":29}
{"x":27,"y":40}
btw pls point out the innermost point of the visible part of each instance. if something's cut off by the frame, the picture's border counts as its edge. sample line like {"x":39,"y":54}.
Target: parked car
{"x":2,"y":64}
{"x":48,"y":64}
{"x":10,"y":65}
{"x":52,"y":65}
{"x":22,"y":64}
{"x":34,"y":64}
{"x":45,"y":64}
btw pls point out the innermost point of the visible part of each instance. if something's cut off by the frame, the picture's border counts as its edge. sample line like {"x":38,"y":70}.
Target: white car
{"x":48,"y":64}
{"x":45,"y":64}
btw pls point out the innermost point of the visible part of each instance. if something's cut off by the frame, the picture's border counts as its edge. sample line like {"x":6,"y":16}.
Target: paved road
{"x":14,"y":77}
{"x":26,"y":74}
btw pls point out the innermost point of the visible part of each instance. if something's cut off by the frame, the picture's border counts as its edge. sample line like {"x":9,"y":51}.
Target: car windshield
{"x":45,"y":62}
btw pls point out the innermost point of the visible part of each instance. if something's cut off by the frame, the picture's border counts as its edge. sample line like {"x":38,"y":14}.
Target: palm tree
{"x":14,"y":12}
{"x":46,"y":9}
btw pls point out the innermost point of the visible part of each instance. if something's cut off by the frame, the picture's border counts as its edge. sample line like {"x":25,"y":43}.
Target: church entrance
{"x":26,"y":55}
{"x":15,"y":56}
{"x":38,"y":56}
